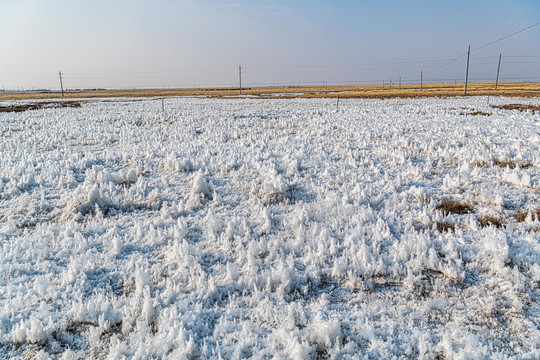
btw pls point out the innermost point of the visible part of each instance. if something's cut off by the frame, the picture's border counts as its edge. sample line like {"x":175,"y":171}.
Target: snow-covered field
{"x":248,"y":228}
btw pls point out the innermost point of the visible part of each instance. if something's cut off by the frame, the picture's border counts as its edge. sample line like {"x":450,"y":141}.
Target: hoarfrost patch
{"x":260,"y":228}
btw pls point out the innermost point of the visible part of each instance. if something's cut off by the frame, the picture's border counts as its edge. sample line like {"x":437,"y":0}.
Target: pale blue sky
{"x":143,"y":43}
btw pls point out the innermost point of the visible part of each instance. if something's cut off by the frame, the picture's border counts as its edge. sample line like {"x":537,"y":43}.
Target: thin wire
{"x":326,"y":65}
{"x":507,"y":36}
{"x":200,"y":69}
{"x":216,"y":68}
{"x":447,"y":63}
{"x":483,"y":46}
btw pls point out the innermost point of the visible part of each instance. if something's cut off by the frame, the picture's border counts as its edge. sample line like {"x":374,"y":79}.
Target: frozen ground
{"x":269,"y":229}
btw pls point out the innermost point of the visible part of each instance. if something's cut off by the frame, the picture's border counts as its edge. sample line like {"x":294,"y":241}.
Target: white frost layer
{"x":261,"y":228}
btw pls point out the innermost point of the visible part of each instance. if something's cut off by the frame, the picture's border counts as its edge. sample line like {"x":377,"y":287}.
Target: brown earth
{"x":39,"y":105}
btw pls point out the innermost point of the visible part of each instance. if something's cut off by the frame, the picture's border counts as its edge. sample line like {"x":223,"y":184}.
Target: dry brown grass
{"x":476,"y":113}
{"x":488,"y":220}
{"x":503,"y":164}
{"x":445,"y":227}
{"x":483,"y":164}
{"x":519,"y":107}
{"x":454,"y":207}
{"x":512,"y":164}
{"x":522,"y":214}
{"x":343,"y":91}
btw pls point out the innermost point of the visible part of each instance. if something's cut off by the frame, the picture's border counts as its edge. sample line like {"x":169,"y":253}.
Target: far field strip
{"x":380,"y":91}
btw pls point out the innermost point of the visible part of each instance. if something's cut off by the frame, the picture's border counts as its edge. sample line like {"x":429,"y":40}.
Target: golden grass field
{"x":529,"y":89}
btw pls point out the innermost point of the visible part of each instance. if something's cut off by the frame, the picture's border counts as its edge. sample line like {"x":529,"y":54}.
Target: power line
{"x":305,"y":67}
{"x":483,"y":46}
{"x":198,"y":69}
{"x":323,"y":65}
{"x":447,"y":63}
{"x":61,"y":85}
{"x":507,"y":36}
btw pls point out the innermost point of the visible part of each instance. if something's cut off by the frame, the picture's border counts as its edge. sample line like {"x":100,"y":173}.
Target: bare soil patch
{"x":39,"y":105}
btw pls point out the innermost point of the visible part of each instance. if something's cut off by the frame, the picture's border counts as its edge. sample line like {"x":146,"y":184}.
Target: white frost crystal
{"x":301,"y":232}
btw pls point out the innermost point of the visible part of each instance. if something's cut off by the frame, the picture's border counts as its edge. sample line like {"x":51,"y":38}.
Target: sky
{"x":202,"y":43}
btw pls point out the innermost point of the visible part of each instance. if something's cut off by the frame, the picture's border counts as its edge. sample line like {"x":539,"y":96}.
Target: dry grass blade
{"x":475,"y":113}
{"x":454,"y":207}
{"x":522,"y":215}
{"x":445,"y":227}
{"x":512,"y":164}
{"x":503,"y":164}
{"x":519,"y":107}
{"x":479,"y":163}
{"x":490,"y":220}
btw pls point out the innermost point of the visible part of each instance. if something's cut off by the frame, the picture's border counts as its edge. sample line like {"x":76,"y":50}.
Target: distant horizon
{"x":417,"y":80}
{"x":246,"y":86}
{"x":394,"y":87}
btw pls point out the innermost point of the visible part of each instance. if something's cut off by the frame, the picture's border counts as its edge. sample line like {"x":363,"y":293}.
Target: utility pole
{"x":240,"y":77}
{"x":498,"y":68}
{"x":421,"y":80}
{"x":467,"y":72}
{"x":400,"y":83}
{"x":61,"y":86}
